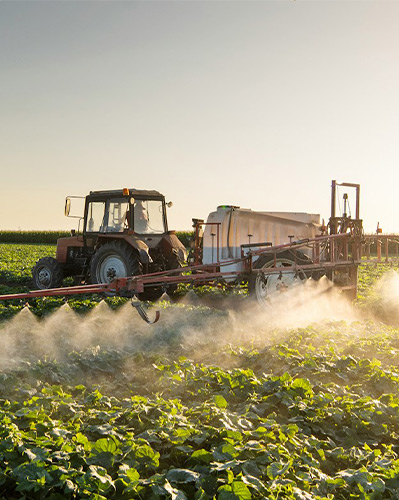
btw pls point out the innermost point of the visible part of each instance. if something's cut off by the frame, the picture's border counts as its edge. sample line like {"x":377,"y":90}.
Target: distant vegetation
{"x":51,"y":237}
{"x":47,"y":237}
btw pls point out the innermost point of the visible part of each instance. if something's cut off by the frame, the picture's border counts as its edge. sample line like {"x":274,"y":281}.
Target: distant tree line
{"x":51,"y":237}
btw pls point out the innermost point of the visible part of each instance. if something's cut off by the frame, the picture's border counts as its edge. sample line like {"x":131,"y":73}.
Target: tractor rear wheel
{"x":263,"y":287}
{"x":47,"y":273}
{"x":113,"y":260}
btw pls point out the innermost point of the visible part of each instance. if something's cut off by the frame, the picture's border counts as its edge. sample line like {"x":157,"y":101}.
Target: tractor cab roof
{"x":136,"y":193}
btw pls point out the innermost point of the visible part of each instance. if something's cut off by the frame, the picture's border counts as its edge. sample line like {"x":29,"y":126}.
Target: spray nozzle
{"x":143,"y":313}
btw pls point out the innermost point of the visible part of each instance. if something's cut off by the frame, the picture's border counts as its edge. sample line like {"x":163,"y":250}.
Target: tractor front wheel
{"x":47,"y":273}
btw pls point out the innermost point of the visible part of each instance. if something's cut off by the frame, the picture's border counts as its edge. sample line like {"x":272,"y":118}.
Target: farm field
{"x":302,"y":403}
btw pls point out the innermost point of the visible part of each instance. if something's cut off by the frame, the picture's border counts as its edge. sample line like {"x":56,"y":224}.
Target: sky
{"x":258,"y":104}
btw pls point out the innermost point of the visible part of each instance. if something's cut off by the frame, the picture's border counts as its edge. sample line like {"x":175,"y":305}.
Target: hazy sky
{"x":253,"y":103}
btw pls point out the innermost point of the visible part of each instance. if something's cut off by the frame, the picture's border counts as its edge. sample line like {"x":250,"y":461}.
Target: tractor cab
{"x":125,"y":211}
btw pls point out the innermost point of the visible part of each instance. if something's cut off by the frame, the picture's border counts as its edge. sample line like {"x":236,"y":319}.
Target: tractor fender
{"x":145,"y":257}
{"x":172,"y":245}
{"x":139,"y":245}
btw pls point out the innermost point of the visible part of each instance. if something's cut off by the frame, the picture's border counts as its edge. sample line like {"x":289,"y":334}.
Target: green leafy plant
{"x":303,"y":413}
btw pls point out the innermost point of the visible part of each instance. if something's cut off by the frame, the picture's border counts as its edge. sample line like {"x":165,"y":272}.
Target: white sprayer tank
{"x":239,"y":226}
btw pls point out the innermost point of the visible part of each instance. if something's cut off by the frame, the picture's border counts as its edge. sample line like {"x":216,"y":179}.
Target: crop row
{"x":310,"y":417}
{"x":204,"y":405}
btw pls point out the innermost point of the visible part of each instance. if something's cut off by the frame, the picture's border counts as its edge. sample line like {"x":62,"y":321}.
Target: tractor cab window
{"x":117,"y":215}
{"x":148,"y":217}
{"x":108,"y":217}
{"x":95,"y":217}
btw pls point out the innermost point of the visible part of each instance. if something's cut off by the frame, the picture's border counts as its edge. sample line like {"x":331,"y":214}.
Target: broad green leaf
{"x":236,"y":491}
{"x":175,"y":494}
{"x":82,"y":439}
{"x":100,"y":473}
{"x":225,"y":452}
{"x":147,"y":455}
{"x":301,"y":383}
{"x":181,"y":476}
{"x":106,"y":445}
{"x":220,"y":401}
{"x":277,"y":469}
{"x":133,"y":475}
{"x":241,"y":490}
{"x":202,"y":456}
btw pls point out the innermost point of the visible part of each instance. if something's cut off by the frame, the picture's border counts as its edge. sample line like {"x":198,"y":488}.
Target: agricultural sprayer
{"x":123,"y":247}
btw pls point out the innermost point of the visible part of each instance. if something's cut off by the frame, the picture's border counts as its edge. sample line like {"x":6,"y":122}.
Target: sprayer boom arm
{"x":114,"y":287}
{"x":204,"y":274}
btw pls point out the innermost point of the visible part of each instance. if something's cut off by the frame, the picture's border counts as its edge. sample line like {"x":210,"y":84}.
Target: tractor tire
{"x":117,"y":260}
{"x":47,"y":273}
{"x":113,"y":260}
{"x":262,"y":287}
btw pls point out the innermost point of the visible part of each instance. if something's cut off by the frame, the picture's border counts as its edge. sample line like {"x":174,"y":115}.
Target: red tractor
{"x":125,"y":233}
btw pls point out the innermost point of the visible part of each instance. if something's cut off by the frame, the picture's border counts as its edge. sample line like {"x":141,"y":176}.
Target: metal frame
{"x":334,"y":252}
{"x":344,"y":223}
{"x":383,"y":244}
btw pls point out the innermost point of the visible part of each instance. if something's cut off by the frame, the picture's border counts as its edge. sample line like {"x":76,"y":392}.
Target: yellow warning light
{"x":126,"y":192}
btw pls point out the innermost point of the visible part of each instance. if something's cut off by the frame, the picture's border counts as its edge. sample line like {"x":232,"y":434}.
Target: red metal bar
{"x":379,"y":250}
{"x":317,"y":253}
{"x":357,"y":187}
{"x":333,"y":199}
{"x":386,"y":249}
{"x":346,"y":250}
{"x":381,"y":241}
{"x":300,"y":243}
{"x":56,"y":291}
{"x":136,"y":284}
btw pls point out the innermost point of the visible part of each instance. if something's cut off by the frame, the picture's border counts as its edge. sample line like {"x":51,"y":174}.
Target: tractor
{"x":124,"y":248}
{"x":125,"y":233}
